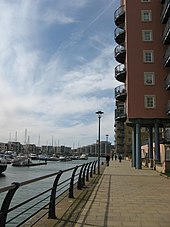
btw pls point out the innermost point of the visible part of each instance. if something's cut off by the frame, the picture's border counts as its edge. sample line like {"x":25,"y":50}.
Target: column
{"x":157,"y":144}
{"x":150,"y":147}
{"x":138,"y":147}
{"x":133,"y":146}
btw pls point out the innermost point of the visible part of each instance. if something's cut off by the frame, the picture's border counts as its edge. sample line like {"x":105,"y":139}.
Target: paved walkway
{"x":126,"y":197}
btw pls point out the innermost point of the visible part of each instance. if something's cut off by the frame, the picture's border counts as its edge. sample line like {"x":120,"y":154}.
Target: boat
{"x":83,"y":156}
{"x":53,"y":158}
{"x":26,"y":161}
{"x":65,"y":158}
{"x":43,"y":157}
{"x":33,"y":156}
{"x":3,"y":167}
{"x":21,"y":161}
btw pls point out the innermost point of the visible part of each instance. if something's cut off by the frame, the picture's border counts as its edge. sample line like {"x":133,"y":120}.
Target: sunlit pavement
{"x":125,"y":196}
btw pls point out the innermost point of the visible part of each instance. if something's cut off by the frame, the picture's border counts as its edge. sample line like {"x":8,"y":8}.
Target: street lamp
{"x":99,"y":114}
{"x":106,"y":144}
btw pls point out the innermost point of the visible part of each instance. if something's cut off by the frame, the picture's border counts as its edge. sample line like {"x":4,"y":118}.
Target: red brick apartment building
{"x":142,"y":35}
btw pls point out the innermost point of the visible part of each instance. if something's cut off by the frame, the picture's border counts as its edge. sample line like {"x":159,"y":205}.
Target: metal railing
{"x":47,"y":199}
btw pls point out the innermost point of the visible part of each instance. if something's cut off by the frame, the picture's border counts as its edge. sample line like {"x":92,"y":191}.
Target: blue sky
{"x":56,"y":70}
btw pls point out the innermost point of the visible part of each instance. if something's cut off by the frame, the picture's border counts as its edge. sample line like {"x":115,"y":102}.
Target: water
{"x":20,"y":174}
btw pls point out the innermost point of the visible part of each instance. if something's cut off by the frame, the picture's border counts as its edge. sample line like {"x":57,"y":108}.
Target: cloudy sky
{"x":56,"y":70}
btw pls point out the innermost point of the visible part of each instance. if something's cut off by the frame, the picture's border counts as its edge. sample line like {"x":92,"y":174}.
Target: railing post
{"x":95,"y":167}
{"x":80,"y":183}
{"x":71,"y":195}
{"x":51,"y":213}
{"x":6,"y":204}
{"x":84,"y":174}
{"x":87,"y":175}
{"x":91,"y":171}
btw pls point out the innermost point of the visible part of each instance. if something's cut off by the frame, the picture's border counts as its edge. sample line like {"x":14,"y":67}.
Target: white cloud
{"x":55,"y":17}
{"x":38,"y":91}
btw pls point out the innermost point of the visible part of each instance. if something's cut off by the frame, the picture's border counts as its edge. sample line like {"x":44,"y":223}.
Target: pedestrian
{"x":115,"y":157}
{"x":120,"y":158}
{"x":107,"y":159}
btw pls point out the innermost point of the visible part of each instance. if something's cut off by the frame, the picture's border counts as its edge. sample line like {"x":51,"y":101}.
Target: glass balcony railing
{"x":120,"y":53}
{"x":165,"y":12}
{"x":120,"y":114}
{"x":119,"y":35}
{"x":120,"y":73}
{"x":119,"y":16}
{"x":120,"y":93}
{"x":167,"y":83}
{"x":167,"y":57}
{"x":168,"y":108}
{"x":166,"y":33}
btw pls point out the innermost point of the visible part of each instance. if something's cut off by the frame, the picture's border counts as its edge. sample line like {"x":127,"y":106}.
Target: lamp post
{"x":106,"y":144}
{"x":99,"y":114}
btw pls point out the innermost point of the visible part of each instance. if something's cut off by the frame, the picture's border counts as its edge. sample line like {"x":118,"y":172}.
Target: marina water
{"x":20,"y":174}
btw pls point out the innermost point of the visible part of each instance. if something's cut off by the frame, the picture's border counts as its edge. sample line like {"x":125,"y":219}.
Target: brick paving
{"x":127,"y":197}
{"x":120,"y":197}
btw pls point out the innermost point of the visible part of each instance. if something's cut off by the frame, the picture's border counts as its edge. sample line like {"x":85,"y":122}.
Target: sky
{"x":56,"y":70}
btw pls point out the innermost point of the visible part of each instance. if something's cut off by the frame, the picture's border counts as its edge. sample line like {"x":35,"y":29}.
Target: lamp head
{"x":99,"y":113}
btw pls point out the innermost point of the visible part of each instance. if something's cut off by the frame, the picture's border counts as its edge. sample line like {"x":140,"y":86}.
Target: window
{"x":148,"y":56}
{"x":150,"y":101}
{"x":149,"y":78}
{"x":147,"y":35}
{"x":145,"y":0}
{"x":146,"y":15}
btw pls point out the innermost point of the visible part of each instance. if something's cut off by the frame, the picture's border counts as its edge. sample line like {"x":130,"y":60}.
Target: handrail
{"x":77,"y":177}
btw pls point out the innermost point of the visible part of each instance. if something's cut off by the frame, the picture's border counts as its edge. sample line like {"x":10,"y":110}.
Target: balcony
{"x":167,"y":134}
{"x":119,"y":35}
{"x":120,"y":53}
{"x":167,"y":57}
{"x":119,"y":135}
{"x":166,"y":34}
{"x":119,"y":126}
{"x":119,"y":17}
{"x":165,"y":12}
{"x":120,"y":93}
{"x":168,"y":108}
{"x":120,"y":114}
{"x":120,"y":73}
{"x":167,"y":83}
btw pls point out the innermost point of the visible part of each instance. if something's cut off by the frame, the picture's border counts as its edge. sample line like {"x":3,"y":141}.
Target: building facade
{"x":142,"y":35}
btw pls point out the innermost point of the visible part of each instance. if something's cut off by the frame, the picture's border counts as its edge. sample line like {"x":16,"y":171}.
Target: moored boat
{"x":84,"y":157}
{"x":33,"y":156}
{"x":65,"y":158}
{"x":3,"y":165}
{"x":21,"y":161}
{"x":53,"y":158}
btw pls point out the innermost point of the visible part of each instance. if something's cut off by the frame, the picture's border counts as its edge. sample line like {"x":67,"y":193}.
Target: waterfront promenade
{"x":121,"y":197}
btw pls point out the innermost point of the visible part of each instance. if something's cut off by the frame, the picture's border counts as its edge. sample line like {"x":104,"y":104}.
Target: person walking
{"x":120,"y":158}
{"x":107,"y":159}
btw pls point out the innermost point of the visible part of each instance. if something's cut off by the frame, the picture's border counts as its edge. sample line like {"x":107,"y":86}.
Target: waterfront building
{"x":142,"y":35}
{"x":29,"y":148}
{"x":14,"y":146}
